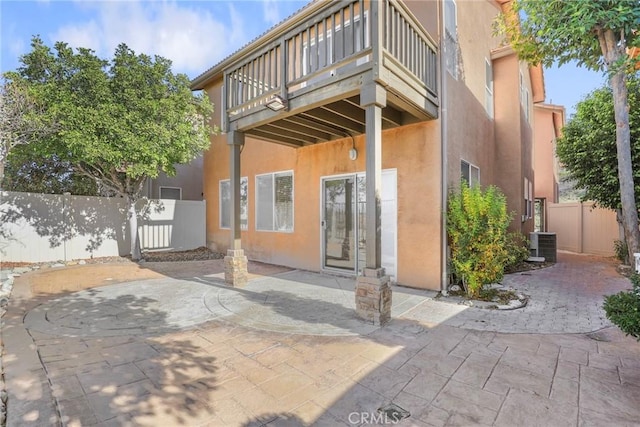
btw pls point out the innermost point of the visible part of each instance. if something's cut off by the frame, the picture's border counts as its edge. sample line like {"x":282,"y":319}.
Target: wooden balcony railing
{"x":336,"y":41}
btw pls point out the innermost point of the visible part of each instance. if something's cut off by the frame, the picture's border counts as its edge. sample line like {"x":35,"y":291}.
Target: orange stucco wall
{"x":414,"y":151}
{"x":501,"y":147}
{"x":544,"y":152}
{"x":470,"y":129}
{"x":514,"y":138}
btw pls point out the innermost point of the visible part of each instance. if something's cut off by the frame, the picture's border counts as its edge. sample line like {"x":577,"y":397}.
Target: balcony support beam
{"x":373,"y":294}
{"x":235,"y":263}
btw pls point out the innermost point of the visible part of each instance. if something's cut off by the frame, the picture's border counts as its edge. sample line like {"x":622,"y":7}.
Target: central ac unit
{"x":533,"y":244}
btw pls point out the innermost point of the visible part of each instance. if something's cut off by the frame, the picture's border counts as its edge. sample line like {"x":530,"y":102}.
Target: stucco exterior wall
{"x":501,"y":146}
{"x":514,"y":137}
{"x":544,"y":153}
{"x":414,"y":151}
{"x":188,"y":178}
{"x":470,"y":129}
{"x":427,"y":12}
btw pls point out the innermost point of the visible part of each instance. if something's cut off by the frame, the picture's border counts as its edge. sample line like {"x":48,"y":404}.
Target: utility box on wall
{"x":543,"y":245}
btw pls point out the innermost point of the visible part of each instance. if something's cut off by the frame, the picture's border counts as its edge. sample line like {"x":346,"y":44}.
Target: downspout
{"x":443,"y":152}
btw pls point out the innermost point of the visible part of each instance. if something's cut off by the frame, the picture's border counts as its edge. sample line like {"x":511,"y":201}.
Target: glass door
{"x":339,"y":223}
{"x":344,"y":207}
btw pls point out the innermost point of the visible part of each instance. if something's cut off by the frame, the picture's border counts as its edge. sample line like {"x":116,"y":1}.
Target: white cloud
{"x":192,"y":38}
{"x":270,"y":11}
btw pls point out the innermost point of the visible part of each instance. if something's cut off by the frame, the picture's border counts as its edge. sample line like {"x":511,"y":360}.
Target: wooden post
{"x":373,"y":294}
{"x":235,"y":263}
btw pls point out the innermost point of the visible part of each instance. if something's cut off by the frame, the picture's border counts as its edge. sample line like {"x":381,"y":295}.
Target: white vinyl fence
{"x":47,"y":227}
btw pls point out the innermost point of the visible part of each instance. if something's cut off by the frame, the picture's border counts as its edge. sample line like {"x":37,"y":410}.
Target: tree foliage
{"x":27,"y":171}
{"x":597,"y":35}
{"x":21,"y":118}
{"x":564,"y":31}
{"x":587,"y":148}
{"x":119,"y":121}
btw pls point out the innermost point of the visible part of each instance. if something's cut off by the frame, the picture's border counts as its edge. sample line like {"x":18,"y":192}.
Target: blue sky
{"x":194,"y":34}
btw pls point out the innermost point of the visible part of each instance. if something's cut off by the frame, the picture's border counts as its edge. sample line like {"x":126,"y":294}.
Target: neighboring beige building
{"x":187,"y":184}
{"x":414,"y":96}
{"x":549,"y":120}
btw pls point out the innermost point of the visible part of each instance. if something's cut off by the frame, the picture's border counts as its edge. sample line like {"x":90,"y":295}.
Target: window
{"x":528,"y":199}
{"x":451,"y":19}
{"x":225,"y":203}
{"x":171,"y":193}
{"x":470,"y":173}
{"x":274,"y":202}
{"x":524,"y":97}
{"x":451,"y":37}
{"x":223,"y":117}
{"x":488,"y":87}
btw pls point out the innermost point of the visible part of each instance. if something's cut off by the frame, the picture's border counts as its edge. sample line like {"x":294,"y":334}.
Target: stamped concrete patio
{"x":169,"y":344}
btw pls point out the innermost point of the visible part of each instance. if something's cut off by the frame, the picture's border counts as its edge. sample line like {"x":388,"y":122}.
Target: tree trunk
{"x":133,"y":230}
{"x":613,"y":52}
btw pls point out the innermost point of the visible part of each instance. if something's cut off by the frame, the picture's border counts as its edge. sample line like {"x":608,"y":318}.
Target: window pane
{"x":225,"y":204}
{"x":264,"y":208}
{"x":450,"y":18}
{"x":474,"y":176}
{"x":244,"y":208}
{"x":489,"y":88}
{"x":464,"y":171}
{"x":284,"y":202}
{"x":170,"y":193}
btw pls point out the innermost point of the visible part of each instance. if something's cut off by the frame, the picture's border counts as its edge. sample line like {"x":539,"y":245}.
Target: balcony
{"x":301,"y":83}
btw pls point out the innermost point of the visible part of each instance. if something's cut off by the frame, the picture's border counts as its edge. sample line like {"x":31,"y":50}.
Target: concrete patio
{"x":171,"y":345}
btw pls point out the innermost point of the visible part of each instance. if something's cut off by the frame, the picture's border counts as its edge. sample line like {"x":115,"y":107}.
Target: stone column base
{"x":373,"y":296}
{"x":235,"y":268}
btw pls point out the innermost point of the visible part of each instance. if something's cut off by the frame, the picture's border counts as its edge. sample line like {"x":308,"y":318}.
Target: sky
{"x":195,"y":35}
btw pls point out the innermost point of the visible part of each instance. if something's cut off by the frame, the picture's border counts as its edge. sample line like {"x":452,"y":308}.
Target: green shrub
{"x":477,"y":224}
{"x":623,"y":308}
{"x":517,"y":249}
{"x":622,"y":253}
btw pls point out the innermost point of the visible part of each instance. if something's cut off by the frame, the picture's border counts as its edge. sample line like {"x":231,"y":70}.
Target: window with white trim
{"x":223,"y":124}
{"x":171,"y":193}
{"x":470,"y":173}
{"x":451,"y":37}
{"x":488,"y":86}
{"x":524,"y":97}
{"x":451,"y":19}
{"x":225,"y":203}
{"x":528,"y":199}
{"x":274,"y":202}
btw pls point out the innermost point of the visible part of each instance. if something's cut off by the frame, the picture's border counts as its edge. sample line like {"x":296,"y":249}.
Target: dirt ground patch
{"x":78,"y":277}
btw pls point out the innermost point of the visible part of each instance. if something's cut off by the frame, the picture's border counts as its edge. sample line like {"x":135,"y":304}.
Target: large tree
{"x":119,"y":121}
{"x":20,"y":119}
{"x":587,"y":148}
{"x":595,"y":34}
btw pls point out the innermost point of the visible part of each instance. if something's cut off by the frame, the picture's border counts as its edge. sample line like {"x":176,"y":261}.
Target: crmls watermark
{"x":358,"y":418}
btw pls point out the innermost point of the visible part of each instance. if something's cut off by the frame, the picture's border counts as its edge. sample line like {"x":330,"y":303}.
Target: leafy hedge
{"x":623,"y":308}
{"x":477,"y":224}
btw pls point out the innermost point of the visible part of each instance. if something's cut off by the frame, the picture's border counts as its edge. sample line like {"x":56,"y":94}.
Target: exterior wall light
{"x":277,"y":103}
